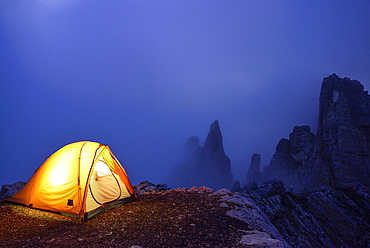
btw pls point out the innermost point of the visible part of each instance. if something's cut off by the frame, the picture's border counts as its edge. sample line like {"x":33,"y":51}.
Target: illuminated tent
{"x":81,"y":179}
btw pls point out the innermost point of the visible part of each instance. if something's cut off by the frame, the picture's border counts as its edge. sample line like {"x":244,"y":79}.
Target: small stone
{"x":51,"y":240}
{"x":260,"y":239}
{"x":224,"y":205}
{"x":221,"y":192}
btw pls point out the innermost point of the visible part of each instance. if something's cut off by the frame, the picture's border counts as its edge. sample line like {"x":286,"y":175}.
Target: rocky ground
{"x":266,"y":216}
{"x":173,"y":218}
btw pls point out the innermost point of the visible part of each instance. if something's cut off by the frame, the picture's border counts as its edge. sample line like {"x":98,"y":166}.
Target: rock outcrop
{"x":191,"y":148}
{"x":341,"y":151}
{"x":147,"y":187}
{"x":254,"y":169}
{"x":8,"y":190}
{"x":215,"y":166}
{"x":326,"y":217}
{"x":207,"y":165}
{"x":329,"y":170}
{"x":289,"y":161}
{"x":301,"y":139}
{"x":244,"y":208}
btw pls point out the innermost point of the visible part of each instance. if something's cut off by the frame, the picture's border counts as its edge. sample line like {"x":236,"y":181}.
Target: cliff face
{"x":207,"y":165}
{"x":339,"y":153}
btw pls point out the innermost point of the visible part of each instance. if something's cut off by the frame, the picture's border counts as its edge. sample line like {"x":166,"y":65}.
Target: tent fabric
{"x":77,"y":179}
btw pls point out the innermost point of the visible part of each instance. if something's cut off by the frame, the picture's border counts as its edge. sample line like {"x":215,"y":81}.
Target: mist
{"x":142,"y":77}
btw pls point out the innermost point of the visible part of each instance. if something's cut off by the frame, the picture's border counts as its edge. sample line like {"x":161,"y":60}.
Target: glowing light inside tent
{"x":58,"y":176}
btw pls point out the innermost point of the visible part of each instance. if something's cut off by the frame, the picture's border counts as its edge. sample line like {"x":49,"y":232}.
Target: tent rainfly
{"x":81,"y":179}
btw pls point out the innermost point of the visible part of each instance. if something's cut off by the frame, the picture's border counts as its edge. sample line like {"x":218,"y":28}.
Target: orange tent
{"x":81,"y":179}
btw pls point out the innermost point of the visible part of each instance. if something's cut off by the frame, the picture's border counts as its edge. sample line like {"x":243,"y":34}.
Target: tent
{"x":81,"y":179}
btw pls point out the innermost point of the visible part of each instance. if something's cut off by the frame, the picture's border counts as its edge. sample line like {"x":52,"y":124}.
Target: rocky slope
{"x":325,"y":217}
{"x":162,"y":217}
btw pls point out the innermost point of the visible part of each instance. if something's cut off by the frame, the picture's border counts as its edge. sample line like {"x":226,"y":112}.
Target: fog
{"x":144,"y":76}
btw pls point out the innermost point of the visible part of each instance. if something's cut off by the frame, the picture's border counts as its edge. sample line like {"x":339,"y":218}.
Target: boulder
{"x":7,"y":190}
{"x":259,"y":239}
{"x":222,"y":192}
{"x":146,"y":187}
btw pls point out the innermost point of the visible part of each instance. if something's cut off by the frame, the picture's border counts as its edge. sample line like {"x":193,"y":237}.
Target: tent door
{"x":104,"y":184}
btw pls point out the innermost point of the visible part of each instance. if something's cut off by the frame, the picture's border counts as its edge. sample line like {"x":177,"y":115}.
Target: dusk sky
{"x":144,"y":76}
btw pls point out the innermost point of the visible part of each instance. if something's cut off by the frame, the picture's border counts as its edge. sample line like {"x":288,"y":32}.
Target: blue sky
{"x":143,"y":76}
